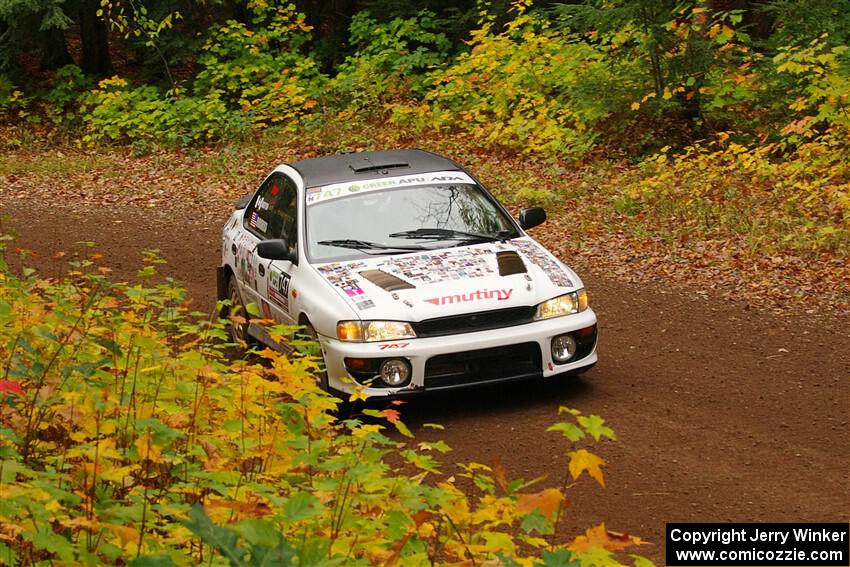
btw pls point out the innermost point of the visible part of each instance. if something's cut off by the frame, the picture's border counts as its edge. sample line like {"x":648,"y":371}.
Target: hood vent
{"x":510,"y":263}
{"x":385,"y":281}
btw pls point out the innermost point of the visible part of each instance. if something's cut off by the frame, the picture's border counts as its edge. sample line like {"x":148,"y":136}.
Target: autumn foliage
{"x":127,"y":436}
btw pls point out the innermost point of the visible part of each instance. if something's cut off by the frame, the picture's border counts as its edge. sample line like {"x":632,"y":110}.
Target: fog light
{"x":563,"y":348}
{"x":395,"y":372}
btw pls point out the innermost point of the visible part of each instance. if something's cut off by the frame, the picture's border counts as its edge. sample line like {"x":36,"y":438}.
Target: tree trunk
{"x":96,"y":59}
{"x":55,"y":53}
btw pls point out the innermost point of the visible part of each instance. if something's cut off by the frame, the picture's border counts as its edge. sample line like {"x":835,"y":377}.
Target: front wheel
{"x":321,"y":375}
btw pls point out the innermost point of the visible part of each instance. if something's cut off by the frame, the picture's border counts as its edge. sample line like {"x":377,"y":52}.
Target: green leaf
{"x":5,"y":308}
{"x":259,"y":532}
{"x":595,"y":425}
{"x":560,"y":558}
{"x":641,"y":561}
{"x":153,"y":561}
{"x":397,"y":523}
{"x":54,"y":543}
{"x":223,"y":539}
{"x":402,"y":428}
{"x":253,"y":310}
{"x":535,"y":521}
{"x":568,"y":430}
{"x":7,"y":555}
{"x":301,"y":505}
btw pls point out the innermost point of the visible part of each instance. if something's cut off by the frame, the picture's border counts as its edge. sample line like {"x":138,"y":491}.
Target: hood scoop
{"x":386,"y":281}
{"x":510,"y":263}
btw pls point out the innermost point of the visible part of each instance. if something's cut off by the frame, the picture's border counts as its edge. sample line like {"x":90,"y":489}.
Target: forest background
{"x":713,"y":120}
{"x":710,"y":136}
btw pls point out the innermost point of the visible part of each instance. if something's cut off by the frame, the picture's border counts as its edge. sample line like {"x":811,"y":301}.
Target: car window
{"x":383,"y":216}
{"x":273,"y":211}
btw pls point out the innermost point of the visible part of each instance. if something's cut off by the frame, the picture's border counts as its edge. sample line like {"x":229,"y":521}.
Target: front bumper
{"x":466,"y":359}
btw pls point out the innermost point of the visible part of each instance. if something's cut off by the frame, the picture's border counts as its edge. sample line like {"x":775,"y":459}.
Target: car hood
{"x":450,"y":281}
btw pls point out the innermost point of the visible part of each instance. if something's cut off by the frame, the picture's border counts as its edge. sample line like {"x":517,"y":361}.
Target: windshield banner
{"x":328,"y":192}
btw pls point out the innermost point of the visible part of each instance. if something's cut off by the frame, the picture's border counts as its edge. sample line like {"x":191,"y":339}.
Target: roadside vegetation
{"x":128,"y":437}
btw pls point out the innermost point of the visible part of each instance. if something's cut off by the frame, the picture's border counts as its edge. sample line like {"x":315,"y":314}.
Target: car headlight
{"x":566,"y":304}
{"x":373,"y":331}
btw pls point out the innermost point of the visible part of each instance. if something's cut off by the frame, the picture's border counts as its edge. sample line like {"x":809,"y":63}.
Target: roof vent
{"x":367,"y":165}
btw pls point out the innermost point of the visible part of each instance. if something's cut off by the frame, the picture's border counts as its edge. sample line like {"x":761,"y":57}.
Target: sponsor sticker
{"x":318,"y":194}
{"x":258,"y":222}
{"x":478,"y":295}
{"x":279,"y":289}
{"x":538,"y":256}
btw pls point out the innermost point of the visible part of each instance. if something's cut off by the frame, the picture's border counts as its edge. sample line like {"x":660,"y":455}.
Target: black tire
{"x":238,"y":331}
{"x":344,"y":407}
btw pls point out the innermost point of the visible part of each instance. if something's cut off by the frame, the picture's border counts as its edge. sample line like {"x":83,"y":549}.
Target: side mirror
{"x":529,"y":218}
{"x":242,"y":202}
{"x":277,"y":249}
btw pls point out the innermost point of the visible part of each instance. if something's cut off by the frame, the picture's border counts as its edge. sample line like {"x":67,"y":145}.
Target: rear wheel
{"x":238,"y":328}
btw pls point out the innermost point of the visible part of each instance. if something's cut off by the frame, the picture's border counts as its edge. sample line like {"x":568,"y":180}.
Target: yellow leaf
{"x":547,"y":501}
{"x":358,"y":394}
{"x":599,"y":536}
{"x":127,"y":534}
{"x":635,"y":105}
{"x":583,"y":460}
{"x":148,"y":450}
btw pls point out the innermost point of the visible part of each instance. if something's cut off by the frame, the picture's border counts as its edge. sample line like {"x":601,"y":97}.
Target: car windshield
{"x":399,"y":220}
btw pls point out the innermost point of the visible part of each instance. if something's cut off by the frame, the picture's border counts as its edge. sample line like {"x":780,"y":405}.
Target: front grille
{"x":469,"y":322}
{"x":485,"y":365}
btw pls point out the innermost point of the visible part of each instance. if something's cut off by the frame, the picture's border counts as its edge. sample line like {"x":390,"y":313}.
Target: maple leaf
{"x":11,"y":387}
{"x":358,"y":394}
{"x":547,"y":501}
{"x":391,"y":415}
{"x":568,"y":430}
{"x":583,"y":460}
{"x":499,"y":474}
{"x":599,"y":536}
{"x":595,"y":425}
{"x":127,"y":534}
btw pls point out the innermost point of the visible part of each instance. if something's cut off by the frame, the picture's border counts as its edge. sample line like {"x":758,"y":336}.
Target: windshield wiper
{"x":449,"y":234}
{"x":366,"y":245}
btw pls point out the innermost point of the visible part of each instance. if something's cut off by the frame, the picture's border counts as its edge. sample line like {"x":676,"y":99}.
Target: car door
{"x":273,"y":215}
{"x":258,"y":224}
{"x":281,"y":272}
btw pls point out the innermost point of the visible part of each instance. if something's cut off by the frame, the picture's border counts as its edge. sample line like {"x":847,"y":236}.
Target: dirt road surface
{"x":723,"y":413}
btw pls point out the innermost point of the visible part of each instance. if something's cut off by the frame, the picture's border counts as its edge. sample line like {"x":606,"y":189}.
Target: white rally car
{"x":408,"y":273}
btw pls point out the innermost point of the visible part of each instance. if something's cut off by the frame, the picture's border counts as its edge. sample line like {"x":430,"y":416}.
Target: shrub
{"x":127,"y":437}
{"x":722,"y":188}
{"x":117,"y":112}
{"x":11,"y":98}
{"x":390,"y":61}
{"x":261,"y":71}
{"x":62,"y":101}
{"x":529,"y":88}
